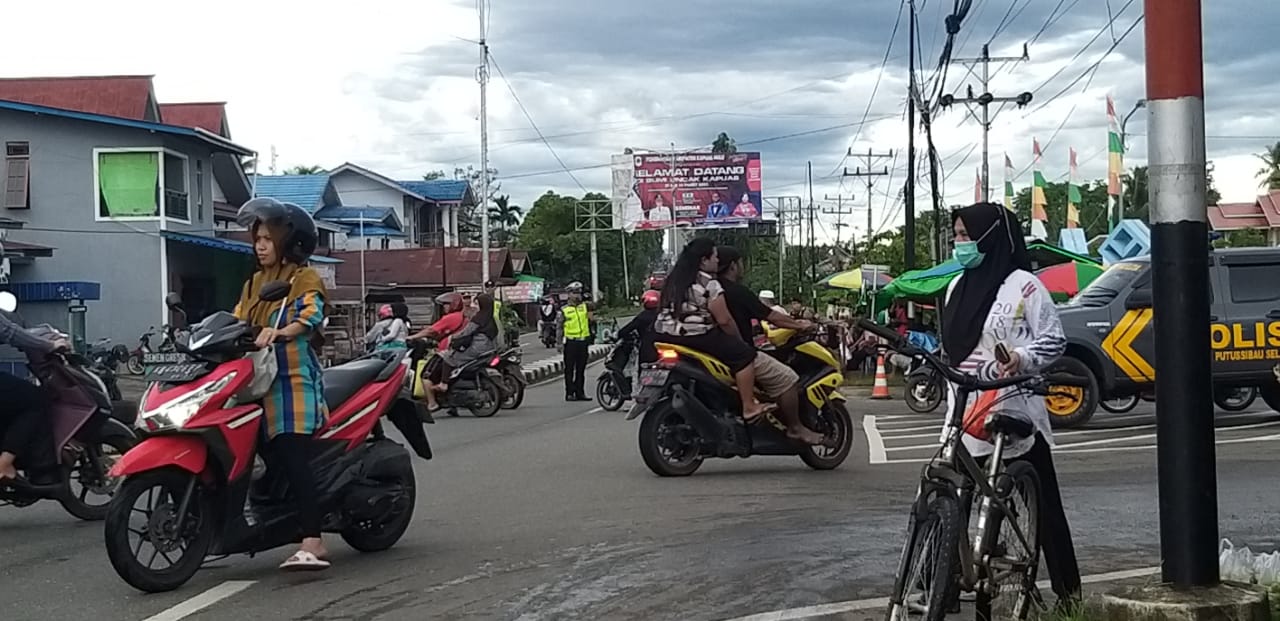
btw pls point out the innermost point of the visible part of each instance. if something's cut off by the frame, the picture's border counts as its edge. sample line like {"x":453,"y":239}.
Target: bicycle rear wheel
{"x":928,"y":562}
{"x":1008,"y":586}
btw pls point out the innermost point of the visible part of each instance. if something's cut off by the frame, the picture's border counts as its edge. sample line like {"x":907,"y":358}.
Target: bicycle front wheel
{"x":1008,"y":589}
{"x":928,"y":563}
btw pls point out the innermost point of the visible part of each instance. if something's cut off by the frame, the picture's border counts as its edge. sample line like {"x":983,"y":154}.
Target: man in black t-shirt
{"x":775,"y":379}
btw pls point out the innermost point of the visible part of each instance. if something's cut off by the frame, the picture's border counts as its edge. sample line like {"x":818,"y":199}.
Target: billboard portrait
{"x":657,"y":191}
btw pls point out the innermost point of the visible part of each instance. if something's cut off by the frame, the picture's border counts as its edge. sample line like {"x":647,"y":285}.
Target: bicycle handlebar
{"x":1039,"y":383}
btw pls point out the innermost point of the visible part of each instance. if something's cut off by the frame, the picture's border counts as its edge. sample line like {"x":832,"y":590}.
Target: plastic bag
{"x":1235,"y":564}
{"x":1266,"y":568}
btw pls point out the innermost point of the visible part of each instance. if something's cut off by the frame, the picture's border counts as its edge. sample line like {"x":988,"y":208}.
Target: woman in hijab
{"x":476,"y":339}
{"x":997,"y":300}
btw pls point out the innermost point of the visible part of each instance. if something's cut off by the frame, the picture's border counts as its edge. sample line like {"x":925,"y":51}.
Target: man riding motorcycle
{"x":776,"y":378}
{"x":453,"y":319}
{"x":23,"y":424}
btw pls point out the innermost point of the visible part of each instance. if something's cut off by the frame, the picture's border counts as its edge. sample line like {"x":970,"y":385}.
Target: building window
{"x":368,"y":243}
{"x":137,"y":184}
{"x":17,"y":181}
{"x":386,"y":243}
{"x":200,"y":190}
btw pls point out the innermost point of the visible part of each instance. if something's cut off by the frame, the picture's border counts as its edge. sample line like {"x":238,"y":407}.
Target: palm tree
{"x":1271,"y":166}
{"x":505,"y":216}
{"x":305,"y":170}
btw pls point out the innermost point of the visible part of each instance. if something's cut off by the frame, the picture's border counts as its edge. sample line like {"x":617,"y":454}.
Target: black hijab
{"x":1000,"y":239}
{"x":483,"y":318}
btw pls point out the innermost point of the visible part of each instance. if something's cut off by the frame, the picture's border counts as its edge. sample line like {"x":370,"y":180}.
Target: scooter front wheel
{"x":150,"y":546}
{"x":608,"y":394}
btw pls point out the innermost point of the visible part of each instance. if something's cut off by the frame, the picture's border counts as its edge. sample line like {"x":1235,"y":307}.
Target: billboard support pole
{"x":595,"y":268}
{"x":626,"y":272}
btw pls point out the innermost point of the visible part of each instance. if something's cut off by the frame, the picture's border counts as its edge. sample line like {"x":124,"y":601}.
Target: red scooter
{"x":196,"y":486}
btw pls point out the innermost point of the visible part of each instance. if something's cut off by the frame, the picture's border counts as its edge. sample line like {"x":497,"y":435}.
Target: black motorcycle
{"x":925,"y":387}
{"x":614,"y":388}
{"x":509,"y":364}
{"x":105,"y":360}
{"x":474,"y":386}
{"x":548,"y":333}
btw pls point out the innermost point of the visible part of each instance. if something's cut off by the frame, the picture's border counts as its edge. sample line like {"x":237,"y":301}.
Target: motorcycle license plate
{"x":654,"y":377}
{"x":181,"y":369}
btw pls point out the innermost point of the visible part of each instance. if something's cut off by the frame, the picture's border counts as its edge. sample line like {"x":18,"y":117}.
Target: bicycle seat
{"x":1014,"y":428}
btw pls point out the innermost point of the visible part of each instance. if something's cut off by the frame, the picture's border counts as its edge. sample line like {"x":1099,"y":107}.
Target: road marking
{"x":808,"y":612}
{"x":875,"y":444}
{"x":204,"y":600}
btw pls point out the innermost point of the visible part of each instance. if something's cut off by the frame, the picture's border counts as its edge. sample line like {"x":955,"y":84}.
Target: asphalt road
{"x":548,"y":513}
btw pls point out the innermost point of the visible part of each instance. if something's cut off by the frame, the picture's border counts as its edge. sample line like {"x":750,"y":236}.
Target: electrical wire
{"x":533,"y":124}
{"x":874,"y":89}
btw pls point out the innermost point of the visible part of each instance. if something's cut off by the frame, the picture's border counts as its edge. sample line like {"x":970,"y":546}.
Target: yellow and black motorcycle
{"x":692,"y":410}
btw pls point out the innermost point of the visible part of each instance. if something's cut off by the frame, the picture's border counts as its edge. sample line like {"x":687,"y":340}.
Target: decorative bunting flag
{"x":1039,"y":213}
{"x":1008,"y":183}
{"x":1073,"y":196}
{"x":1115,"y":150}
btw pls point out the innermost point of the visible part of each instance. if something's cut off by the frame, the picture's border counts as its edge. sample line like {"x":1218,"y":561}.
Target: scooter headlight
{"x":176,"y":413}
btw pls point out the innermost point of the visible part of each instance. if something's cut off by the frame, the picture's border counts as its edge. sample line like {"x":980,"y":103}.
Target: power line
{"x":874,"y":89}
{"x":529,"y":117}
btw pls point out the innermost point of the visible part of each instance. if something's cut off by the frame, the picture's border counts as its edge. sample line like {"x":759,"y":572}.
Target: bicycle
{"x":933,"y":555}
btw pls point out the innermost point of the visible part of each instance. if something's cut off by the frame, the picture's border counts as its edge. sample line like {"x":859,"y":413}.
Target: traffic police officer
{"x":573,"y":326}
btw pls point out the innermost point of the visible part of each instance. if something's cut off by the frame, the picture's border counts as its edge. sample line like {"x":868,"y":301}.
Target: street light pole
{"x":1185,"y":449}
{"x":1124,"y":150}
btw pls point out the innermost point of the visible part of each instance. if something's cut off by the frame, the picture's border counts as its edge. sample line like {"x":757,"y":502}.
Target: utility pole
{"x":1185,"y":449}
{"x":482,"y":76}
{"x":985,"y":100}
{"x":869,"y":160}
{"x":909,"y":196}
{"x":839,"y":212}
{"x":273,"y":160}
{"x":813,"y":256}
{"x":939,"y":232}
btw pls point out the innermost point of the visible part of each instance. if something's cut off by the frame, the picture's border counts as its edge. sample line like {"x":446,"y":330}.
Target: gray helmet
{"x":574,"y":287}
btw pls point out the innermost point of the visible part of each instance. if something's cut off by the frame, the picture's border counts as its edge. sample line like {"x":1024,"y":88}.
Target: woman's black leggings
{"x":23,"y":422}
{"x":292,"y":452}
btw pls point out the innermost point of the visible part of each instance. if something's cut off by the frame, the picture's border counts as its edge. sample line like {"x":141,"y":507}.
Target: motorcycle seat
{"x":1014,"y":428}
{"x":343,"y":381}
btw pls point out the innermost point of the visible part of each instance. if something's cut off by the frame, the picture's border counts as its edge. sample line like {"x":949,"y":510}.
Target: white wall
{"x":356,"y":190}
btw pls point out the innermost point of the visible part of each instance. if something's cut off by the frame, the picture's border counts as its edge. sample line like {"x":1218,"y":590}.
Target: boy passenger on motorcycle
{"x":450,"y":322}
{"x":694,"y":314}
{"x":778,"y":381}
{"x":284,"y":236}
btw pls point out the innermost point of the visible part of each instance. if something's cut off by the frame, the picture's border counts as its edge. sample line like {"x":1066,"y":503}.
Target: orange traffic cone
{"x":880,"y":390}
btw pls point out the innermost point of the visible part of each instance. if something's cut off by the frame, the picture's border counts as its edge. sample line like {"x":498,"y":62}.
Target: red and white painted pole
{"x":1180,"y":241}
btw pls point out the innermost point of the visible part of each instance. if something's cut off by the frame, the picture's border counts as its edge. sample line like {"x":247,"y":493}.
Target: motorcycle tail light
{"x":496,"y":361}
{"x":668,"y":358}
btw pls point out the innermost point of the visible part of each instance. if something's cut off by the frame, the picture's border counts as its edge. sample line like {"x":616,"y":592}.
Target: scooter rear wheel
{"x":181,"y":553}
{"x":512,"y":390}
{"x":379,"y":535}
{"x":492,"y":397}
{"x":94,"y":483}
{"x":608,"y":394}
{"x":835,"y":418}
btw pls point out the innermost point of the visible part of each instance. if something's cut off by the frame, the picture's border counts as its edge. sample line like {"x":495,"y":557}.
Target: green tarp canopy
{"x":925,"y":286}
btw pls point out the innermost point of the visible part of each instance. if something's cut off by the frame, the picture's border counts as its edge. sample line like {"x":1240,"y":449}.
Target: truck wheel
{"x":1078,"y":404}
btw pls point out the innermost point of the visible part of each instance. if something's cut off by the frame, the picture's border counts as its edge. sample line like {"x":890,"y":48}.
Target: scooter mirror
{"x":173,"y":300}
{"x":8,"y":302}
{"x":274,"y":291}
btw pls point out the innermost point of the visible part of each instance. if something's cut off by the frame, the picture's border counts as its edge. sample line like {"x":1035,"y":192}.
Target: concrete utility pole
{"x":985,"y":100}
{"x":868,"y":160}
{"x":1180,"y":233}
{"x":839,"y":212}
{"x":909,"y":190}
{"x":482,"y":76}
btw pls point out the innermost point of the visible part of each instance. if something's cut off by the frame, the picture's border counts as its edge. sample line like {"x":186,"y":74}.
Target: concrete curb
{"x":554,"y":367}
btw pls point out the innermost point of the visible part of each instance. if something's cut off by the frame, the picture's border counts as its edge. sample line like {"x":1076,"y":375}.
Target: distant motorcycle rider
{"x":573,"y":331}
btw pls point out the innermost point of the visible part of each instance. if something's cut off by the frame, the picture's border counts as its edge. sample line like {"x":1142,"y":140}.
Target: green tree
{"x":561,"y":254}
{"x":432,"y":175}
{"x":504,"y":217}
{"x":305,"y":170}
{"x":469,"y":218}
{"x":724,"y":144}
{"x":1270,"y":167}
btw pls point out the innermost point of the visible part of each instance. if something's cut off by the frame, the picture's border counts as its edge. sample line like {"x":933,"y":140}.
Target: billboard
{"x":659,"y":191}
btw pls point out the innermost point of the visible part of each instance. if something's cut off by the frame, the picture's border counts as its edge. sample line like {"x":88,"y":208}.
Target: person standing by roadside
{"x":998,"y":301}
{"x":573,"y":331}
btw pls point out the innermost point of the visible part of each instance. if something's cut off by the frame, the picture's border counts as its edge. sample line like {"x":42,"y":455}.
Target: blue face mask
{"x":966,"y":253}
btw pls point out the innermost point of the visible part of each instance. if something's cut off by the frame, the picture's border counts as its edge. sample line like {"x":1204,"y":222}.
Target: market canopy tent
{"x":1065,"y":280}
{"x":929,"y":284}
{"x":857,"y":278}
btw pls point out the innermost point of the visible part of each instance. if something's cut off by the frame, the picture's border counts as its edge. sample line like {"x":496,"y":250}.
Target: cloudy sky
{"x":391,"y":85}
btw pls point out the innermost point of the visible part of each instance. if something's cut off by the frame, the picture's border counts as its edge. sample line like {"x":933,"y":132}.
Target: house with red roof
{"x":121,"y":194}
{"x":1263,"y":213}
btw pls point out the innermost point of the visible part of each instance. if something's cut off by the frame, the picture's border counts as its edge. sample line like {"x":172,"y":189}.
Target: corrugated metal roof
{"x":229,"y":245}
{"x":124,"y":96}
{"x":374,"y":231}
{"x":305,"y":191}
{"x":205,"y":136}
{"x":210,"y":116}
{"x":423,"y":267}
{"x":342,"y":212}
{"x":439,"y":189}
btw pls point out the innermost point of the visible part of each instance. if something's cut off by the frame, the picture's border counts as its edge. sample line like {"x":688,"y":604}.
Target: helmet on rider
{"x":574,"y":287}
{"x":650,"y":299}
{"x":300,"y":236}
{"x":452,"y":302}
{"x":384,"y":311}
